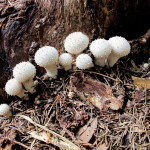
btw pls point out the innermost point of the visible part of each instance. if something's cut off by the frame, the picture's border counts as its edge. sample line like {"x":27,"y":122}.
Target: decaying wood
{"x":98,"y":93}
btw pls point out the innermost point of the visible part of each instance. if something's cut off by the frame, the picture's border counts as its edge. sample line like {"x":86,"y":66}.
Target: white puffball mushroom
{"x":5,"y":110}
{"x":76,"y":43}
{"x":84,"y":61}
{"x":47,"y":57}
{"x":14,"y":88}
{"x":24,"y":72}
{"x":120,"y":48}
{"x":146,"y":66}
{"x":101,"y":49}
{"x":66,"y":60}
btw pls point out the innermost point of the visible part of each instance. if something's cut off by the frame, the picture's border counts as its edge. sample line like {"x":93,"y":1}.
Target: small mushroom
{"x":14,"y":88}
{"x":24,"y":72}
{"x":65,"y":60}
{"x":5,"y":110}
{"x":47,"y":57}
{"x":84,"y":61}
{"x":76,"y":42}
{"x":101,"y":49}
{"x":120,"y":48}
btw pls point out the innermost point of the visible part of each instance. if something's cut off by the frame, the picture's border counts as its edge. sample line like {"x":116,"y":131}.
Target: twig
{"x":64,"y":142}
{"x":97,"y":74}
{"x":16,"y":142}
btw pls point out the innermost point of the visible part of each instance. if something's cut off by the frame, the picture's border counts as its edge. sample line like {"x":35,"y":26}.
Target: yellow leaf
{"x":141,"y":83}
{"x":134,"y":66}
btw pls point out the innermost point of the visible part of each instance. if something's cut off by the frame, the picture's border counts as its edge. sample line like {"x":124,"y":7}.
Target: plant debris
{"x":98,"y":93}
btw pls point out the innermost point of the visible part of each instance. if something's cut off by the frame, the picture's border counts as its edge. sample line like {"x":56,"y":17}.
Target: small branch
{"x":16,"y":142}
{"x":97,"y":74}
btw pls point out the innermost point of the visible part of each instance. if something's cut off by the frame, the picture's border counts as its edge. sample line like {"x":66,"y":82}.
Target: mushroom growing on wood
{"x":47,"y":57}
{"x":14,"y":88}
{"x":101,"y":49}
{"x":5,"y":110}
{"x":120,"y":48}
{"x":84,"y":61}
{"x":24,"y":72}
{"x":76,"y":42}
{"x":65,"y":60}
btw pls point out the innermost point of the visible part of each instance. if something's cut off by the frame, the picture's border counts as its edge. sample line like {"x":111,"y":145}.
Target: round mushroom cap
{"x":4,"y":109}
{"x":24,"y":71}
{"x":100,"y":48}
{"x":13,"y":87}
{"x":84,"y":61}
{"x":65,"y":59}
{"x":46,"y":56}
{"x":76,"y":42}
{"x":120,"y":46}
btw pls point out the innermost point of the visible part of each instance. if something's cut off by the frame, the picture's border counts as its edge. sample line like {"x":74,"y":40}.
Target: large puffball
{"x":13,"y":87}
{"x":65,"y":60}
{"x":46,"y":56}
{"x":24,"y":71}
{"x":5,"y":110}
{"x":84,"y":61}
{"x":76,"y":42}
{"x":120,"y":48}
{"x":100,"y":48}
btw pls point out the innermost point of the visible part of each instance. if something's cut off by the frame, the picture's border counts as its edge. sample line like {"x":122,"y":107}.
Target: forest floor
{"x":60,"y":116}
{"x":98,"y":109}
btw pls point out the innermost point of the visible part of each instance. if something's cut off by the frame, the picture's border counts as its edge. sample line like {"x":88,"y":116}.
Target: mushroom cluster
{"x":23,"y":74}
{"x":105,"y":52}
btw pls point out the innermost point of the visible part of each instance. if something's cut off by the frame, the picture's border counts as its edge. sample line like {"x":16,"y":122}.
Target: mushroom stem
{"x":68,"y":67}
{"x":112,"y":59}
{"x":29,"y":85}
{"x":100,"y":61}
{"x":52,"y":71}
{"x":22,"y":94}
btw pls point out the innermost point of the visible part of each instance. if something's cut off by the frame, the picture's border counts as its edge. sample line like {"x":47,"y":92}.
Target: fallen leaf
{"x":42,"y":136}
{"x":86,"y":132}
{"x":96,"y":92}
{"x":102,"y":147}
{"x":141,"y":83}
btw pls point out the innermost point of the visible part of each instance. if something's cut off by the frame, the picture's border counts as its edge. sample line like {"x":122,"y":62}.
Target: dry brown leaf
{"x":141,"y":83}
{"x":102,"y":147}
{"x":98,"y":93}
{"x":86,"y":132}
{"x":42,"y":136}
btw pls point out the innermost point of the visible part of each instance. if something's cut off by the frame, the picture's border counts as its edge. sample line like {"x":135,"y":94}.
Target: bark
{"x":26,"y":25}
